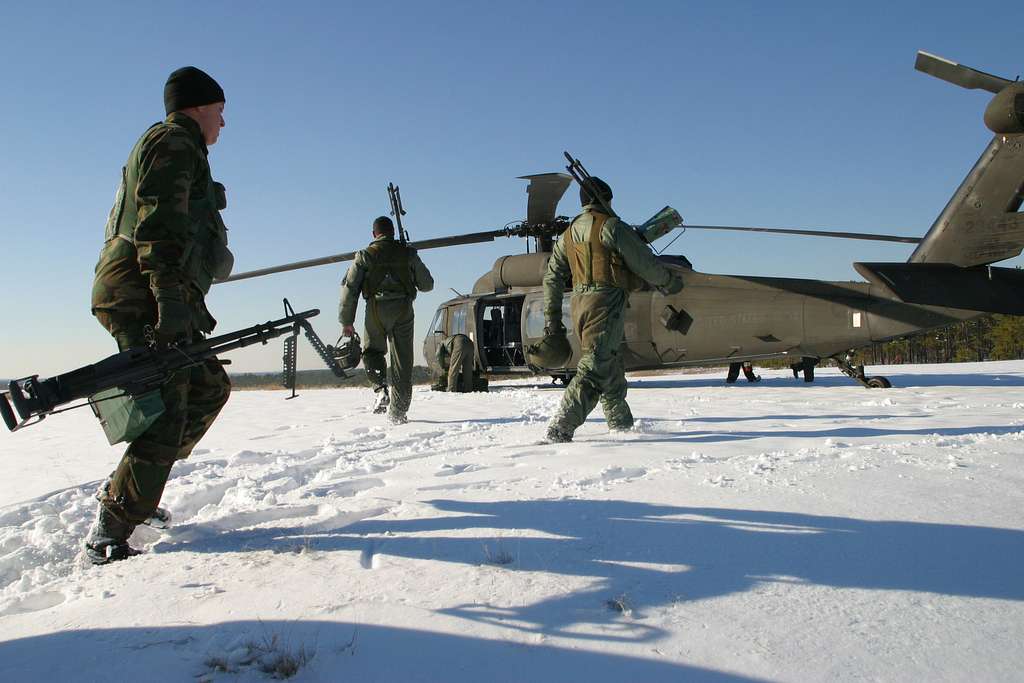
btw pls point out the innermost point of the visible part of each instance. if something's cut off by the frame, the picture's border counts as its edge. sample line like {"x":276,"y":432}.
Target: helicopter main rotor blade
{"x":469,"y":238}
{"x":812,"y":233}
{"x":958,"y":74}
{"x":544,"y":192}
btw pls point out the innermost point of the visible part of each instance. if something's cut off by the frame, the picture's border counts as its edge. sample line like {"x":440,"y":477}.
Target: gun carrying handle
{"x":7,"y":413}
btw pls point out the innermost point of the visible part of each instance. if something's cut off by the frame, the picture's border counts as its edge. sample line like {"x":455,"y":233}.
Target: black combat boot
{"x":108,"y":539}
{"x":734,"y":372}
{"x":556,"y":435}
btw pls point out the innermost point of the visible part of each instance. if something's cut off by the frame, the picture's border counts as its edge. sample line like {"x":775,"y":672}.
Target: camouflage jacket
{"x":616,"y":236}
{"x":374,"y":263}
{"x":164,"y":235}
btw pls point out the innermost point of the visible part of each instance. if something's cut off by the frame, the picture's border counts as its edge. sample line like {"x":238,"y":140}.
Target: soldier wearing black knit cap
{"x":164,"y":245}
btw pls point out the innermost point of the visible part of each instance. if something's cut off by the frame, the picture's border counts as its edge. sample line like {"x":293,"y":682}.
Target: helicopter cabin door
{"x":500,"y":342}
{"x":450,"y":319}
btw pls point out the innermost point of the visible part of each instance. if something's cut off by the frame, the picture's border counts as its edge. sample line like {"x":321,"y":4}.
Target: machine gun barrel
{"x":395,"y":196}
{"x":134,"y":370}
{"x":583,"y":177}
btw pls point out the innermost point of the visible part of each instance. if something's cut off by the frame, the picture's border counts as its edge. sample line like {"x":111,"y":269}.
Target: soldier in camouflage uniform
{"x":607,"y":259}
{"x":387,"y":274}
{"x":164,"y":245}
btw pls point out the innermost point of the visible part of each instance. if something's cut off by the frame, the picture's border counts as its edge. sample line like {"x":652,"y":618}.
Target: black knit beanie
{"x":382,"y":225}
{"x":190,"y":87}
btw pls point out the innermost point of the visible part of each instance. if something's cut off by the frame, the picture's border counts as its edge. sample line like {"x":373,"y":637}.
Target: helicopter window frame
{"x":437,"y":324}
{"x":457,"y":324}
{"x":535,"y":317}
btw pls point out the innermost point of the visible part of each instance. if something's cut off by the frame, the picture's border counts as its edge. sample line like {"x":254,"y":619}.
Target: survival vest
{"x":209,"y":257}
{"x":592,"y":263}
{"x":388,"y":270}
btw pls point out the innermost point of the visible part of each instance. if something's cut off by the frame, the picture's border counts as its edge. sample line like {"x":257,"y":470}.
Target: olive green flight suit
{"x":455,"y":356}
{"x":164,"y":238}
{"x":387,"y":274}
{"x":606,"y":260}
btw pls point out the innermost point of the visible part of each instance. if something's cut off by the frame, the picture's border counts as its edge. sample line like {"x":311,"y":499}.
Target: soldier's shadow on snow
{"x":641,"y":557}
{"x":318,"y":650}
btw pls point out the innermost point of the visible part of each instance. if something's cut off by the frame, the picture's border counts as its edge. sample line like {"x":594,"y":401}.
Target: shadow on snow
{"x":340,"y":651}
{"x":657,"y":556}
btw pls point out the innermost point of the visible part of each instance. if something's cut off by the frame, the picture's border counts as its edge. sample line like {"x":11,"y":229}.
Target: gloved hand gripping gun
{"x":135,"y":372}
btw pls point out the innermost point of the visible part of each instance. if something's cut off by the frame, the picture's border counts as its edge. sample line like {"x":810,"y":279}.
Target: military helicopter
{"x":719,"y":319}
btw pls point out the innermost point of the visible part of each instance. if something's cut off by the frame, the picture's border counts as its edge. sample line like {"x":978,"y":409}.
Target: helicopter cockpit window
{"x":535,"y":317}
{"x":437,"y":324}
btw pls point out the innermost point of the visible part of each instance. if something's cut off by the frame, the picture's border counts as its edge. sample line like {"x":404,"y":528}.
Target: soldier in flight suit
{"x":607,"y":259}
{"x":455,"y":356}
{"x":748,"y":372}
{"x":165,"y":243}
{"x":388,"y":274}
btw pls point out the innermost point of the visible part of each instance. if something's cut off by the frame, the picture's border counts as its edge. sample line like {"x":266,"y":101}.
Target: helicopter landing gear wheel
{"x":857,"y":373}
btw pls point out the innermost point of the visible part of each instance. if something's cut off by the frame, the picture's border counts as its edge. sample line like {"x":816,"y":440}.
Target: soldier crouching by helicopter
{"x":606,"y":259}
{"x":164,"y":245}
{"x":388,"y":274}
{"x":458,"y":372}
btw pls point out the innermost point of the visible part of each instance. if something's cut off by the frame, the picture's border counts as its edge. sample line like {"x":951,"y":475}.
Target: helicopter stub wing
{"x":545,"y":191}
{"x":958,"y":74}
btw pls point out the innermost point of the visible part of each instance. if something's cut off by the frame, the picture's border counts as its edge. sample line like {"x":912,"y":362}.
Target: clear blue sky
{"x":777,"y":114}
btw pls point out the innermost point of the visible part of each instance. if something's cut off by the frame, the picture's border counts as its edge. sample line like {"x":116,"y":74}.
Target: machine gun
{"x":397,"y":211}
{"x":136,"y":372}
{"x":580,"y":175}
{"x":658,"y":225}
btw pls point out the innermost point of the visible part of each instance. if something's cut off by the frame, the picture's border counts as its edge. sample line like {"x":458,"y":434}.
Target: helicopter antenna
{"x":665,"y":248}
{"x":580,"y":175}
{"x":397,"y":211}
{"x":457,"y":292}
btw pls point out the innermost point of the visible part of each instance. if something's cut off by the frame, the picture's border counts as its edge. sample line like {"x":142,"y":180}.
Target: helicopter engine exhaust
{"x":520,"y":270}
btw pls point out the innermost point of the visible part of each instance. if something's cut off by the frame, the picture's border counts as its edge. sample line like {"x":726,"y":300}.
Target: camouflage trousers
{"x":192,"y":400}
{"x":460,"y":364}
{"x":389,"y":331}
{"x":599,"y":319}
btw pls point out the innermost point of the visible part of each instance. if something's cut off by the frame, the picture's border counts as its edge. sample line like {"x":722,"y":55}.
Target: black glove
{"x":174,"y":318}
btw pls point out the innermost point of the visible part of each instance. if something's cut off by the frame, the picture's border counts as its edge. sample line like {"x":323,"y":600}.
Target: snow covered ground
{"x":772,"y":531}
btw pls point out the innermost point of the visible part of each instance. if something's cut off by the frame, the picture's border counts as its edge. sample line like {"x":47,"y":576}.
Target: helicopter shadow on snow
{"x":712,"y":436}
{"x":638,"y":559}
{"x":899,"y":381}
